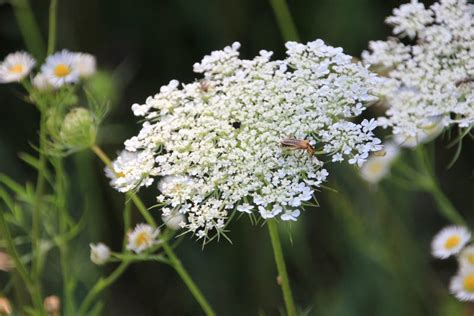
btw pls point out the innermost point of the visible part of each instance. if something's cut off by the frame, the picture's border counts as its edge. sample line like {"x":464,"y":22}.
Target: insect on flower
{"x":302,"y":144}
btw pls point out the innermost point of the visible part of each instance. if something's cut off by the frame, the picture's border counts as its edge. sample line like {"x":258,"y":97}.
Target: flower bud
{"x":6,"y":263}
{"x":52,"y":305}
{"x":78,"y":129}
{"x":5,"y":308}
{"x":100,"y":253}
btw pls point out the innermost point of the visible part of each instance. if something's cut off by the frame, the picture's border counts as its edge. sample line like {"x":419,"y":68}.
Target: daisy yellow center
{"x":142,"y":239}
{"x":470,"y":258}
{"x":120,"y":174}
{"x":62,"y":70}
{"x":375,"y":167}
{"x":17,"y":69}
{"x":452,"y":242}
{"x":468,"y":283}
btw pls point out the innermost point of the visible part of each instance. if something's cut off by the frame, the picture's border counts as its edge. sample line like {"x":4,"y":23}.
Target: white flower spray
{"x":217,"y":142}
{"x":430,"y":78}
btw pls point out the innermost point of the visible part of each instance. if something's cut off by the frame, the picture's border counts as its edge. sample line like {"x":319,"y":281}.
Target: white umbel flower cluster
{"x":431,"y":78}
{"x":217,"y":142}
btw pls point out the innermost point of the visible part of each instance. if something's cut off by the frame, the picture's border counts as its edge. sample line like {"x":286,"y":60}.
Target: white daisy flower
{"x":142,"y":237}
{"x":60,"y":69}
{"x":377,"y":167}
{"x":449,"y":241}
{"x":85,"y":64}
{"x":466,"y":258}
{"x":100,"y":253}
{"x":131,"y":170}
{"x":16,"y":66}
{"x":462,"y":285}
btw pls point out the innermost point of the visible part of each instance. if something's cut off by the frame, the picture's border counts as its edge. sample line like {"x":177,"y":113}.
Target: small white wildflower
{"x":431,"y":78}
{"x":173,"y":220}
{"x":85,"y":64}
{"x":100,"y":253}
{"x":291,"y":215}
{"x":462,"y":285}
{"x":15,"y":67}
{"x":466,"y":258}
{"x":131,"y":170}
{"x":378,"y":167}
{"x":142,"y":237}
{"x":245,"y":208}
{"x":59,"y":68}
{"x":449,"y":241}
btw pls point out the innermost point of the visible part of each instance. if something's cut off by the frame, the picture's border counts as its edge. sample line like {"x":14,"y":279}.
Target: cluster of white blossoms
{"x":452,"y":241}
{"x":431,"y":74}
{"x":59,"y":69}
{"x":217,"y":142}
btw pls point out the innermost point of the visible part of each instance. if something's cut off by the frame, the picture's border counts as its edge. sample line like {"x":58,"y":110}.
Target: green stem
{"x":53,"y":17}
{"x":19,"y":266}
{"x":69,"y":282}
{"x":431,"y":185}
{"x":29,"y":28}
{"x":284,"y":20}
{"x":280,"y":263}
{"x":445,"y":206}
{"x":101,"y":285}
{"x":36,"y":217}
{"x":176,"y":263}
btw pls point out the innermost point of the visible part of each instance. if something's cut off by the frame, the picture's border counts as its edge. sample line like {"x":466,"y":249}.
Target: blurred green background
{"x":362,"y":252}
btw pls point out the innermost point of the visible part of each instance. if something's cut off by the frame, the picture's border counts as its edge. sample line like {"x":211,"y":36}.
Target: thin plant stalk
{"x":281,"y":266}
{"x":431,"y":185}
{"x":53,"y":18}
{"x":63,"y":217}
{"x":29,"y":28}
{"x":36,"y":217}
{"x":32,"y":287}
{"x":174,"y":260}
{"x":284,"y":20}
{"x":101,"y":285}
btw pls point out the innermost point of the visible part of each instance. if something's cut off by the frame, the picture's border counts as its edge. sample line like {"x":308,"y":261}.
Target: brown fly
{"x":298,"y":144}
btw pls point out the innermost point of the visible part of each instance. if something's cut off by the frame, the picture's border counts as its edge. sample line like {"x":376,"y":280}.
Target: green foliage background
{"x":362,"y":252}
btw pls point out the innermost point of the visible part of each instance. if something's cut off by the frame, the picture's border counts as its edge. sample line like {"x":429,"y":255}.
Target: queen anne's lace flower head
{"x":16,"y":66}
{"x":430,"y":78}
{"x":217,"y":142}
